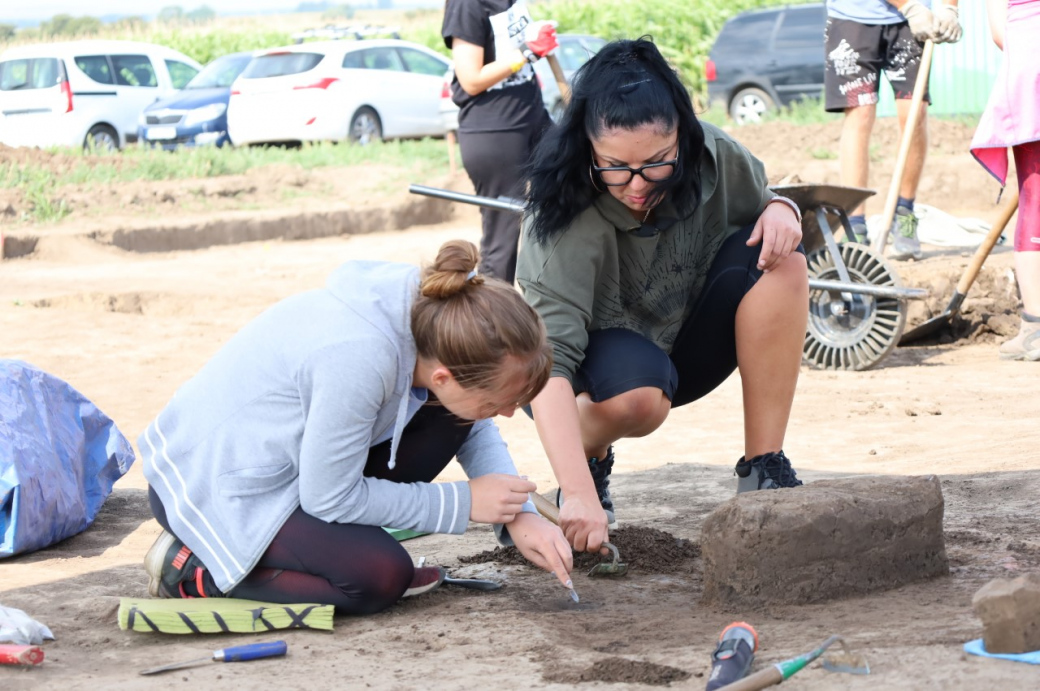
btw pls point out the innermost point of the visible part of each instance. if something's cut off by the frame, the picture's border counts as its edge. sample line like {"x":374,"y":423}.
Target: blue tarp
{"x":59,"y":457}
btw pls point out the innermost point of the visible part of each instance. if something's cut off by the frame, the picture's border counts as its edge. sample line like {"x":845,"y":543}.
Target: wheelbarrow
{"x":857,"y":304}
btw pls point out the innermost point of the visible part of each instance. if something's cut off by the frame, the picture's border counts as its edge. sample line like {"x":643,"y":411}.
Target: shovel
{"x":967,"y":279}
{"x":847,"y":662}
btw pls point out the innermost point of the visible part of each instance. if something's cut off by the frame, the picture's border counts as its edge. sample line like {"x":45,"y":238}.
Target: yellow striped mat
{"x":220,"y":615}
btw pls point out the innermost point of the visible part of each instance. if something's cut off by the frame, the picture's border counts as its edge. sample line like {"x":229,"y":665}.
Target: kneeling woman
{"x":329,"y":416}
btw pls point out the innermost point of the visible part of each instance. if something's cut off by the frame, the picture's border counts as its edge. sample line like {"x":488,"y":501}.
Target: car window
{"x":572,"y":55}
{"x":352,"y":60}
{"x":134,"y":70}
{"x":29,"y":73}
{"x":180,"y":73}
{"x":220,"y":73}
{"x":382,"y":59}
{"x":747,"y":34}
{"x":421,"y":63}
{"x":96,"y":67}
{"x":281,"y":64}
{"x":800,"y":29}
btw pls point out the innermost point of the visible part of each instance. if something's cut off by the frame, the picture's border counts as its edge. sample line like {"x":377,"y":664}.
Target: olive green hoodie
{"x":604,"y":272}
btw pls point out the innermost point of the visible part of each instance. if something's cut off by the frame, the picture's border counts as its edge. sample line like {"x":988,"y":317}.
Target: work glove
{"x":947,"y":25}
{"x":920,"y":18}
{"x":540,"y":39}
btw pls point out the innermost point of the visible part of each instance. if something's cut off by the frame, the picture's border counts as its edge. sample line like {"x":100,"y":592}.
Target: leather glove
{"x":540,"y":38}
{"x":920,"y":18}
{"x":947,"y":25}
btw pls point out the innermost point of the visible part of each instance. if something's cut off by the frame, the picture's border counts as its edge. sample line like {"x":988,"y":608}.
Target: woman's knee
{"x":380,"y":585}
{"x":642,"y":409}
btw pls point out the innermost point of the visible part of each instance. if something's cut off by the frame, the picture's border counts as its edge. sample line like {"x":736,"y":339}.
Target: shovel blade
{"x":934,"y":324}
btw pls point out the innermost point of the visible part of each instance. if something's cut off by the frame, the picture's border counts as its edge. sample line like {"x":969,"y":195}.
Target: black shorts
{"x":856,"y":54}
{"x":705,"y":351}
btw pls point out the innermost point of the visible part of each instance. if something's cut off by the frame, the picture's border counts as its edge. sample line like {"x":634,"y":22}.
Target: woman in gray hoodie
{"x":273,"y":470}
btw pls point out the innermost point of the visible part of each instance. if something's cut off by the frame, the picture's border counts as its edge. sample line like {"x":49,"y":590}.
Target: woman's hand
{"x":498,"y":498}
{"x":543,"y":545}
{"x":584,"y":524}
{"x":779,"y":232}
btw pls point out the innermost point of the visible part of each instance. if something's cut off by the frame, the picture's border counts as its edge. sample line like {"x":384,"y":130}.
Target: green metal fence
{"x":962,"y":73}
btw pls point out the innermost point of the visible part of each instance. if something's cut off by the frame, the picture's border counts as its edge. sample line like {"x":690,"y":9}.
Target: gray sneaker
{"x":769,"y":471}
{"x":1025,"y":346}
{"x":905,"y":244}
{"x":859,"y":233}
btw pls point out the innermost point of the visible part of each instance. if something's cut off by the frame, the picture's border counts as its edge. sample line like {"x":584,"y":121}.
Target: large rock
{"x":1010,"y":614}
{"x":827,"y":539}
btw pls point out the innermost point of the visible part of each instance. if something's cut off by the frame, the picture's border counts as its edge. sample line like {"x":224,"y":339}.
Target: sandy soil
{"x":127,"y":329}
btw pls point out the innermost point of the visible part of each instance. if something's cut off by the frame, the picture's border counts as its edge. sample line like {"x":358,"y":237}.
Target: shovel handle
{"x":763,"y":679}
{"x":561,"y":80}
{"x":964,"y":285}
{"x":920,"y":86}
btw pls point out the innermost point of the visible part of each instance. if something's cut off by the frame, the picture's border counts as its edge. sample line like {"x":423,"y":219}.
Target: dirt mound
{"x":646,"y":550}
{"x":618,"y":670}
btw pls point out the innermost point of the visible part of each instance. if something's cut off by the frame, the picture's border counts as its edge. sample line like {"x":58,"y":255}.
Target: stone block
{"x":826,"y":539}
{"x":1010,"y":614}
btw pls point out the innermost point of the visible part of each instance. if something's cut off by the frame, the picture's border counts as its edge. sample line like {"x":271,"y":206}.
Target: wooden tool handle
{"x":987,"y":245}
{"x":920,"y":86}
{"x":546,"y":508}
{"x":763,"y":679}
{"x":561,"y":80}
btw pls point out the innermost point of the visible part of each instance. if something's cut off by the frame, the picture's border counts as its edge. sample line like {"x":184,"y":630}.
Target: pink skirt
{"x":1013,"y":112}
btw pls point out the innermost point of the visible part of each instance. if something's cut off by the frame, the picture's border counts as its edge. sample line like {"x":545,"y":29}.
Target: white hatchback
{"x":360,"y":91}
{"x":83,"y":93}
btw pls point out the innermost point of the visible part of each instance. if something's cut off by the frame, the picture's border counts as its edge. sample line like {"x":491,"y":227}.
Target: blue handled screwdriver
{"x":241,"y":653}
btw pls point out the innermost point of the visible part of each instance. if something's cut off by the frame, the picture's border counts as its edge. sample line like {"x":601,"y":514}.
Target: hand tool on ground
{"x":920,"y":86}
{"x":21,"y":654}
{"x":967,"y":278}
{"x":781,"y":671}
{"x":473,"y":583}
{"x":733,"y":655}
{"x":241,"y":653}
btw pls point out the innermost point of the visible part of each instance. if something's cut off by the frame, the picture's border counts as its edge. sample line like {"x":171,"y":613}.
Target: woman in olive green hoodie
{"x":659,"y":259}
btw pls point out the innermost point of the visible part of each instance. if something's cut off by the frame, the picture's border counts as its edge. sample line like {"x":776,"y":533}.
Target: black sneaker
{"x":175,"y":572}
{"x":600,"y":470}
{"x":769,"y":471}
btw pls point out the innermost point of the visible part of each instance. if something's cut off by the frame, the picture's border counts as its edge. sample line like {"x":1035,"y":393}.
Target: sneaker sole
{"x":412,"y":592}
{"x":153,"y":562}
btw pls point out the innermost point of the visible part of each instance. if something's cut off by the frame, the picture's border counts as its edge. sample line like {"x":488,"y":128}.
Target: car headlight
{"x":204,"y":114}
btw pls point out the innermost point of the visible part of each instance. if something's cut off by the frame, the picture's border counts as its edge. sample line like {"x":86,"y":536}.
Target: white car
{"x":84,"y":93}
{"x":360,"y":91}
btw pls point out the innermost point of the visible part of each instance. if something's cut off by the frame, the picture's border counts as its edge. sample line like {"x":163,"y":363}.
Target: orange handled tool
{"x":21,"y":654}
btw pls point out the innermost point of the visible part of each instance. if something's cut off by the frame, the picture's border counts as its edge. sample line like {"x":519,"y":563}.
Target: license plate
{"x":162,"y":133}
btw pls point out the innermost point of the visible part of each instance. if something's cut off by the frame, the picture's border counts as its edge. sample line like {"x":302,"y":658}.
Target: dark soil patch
{"x":618,"y":670}
{"x":648,"y":550}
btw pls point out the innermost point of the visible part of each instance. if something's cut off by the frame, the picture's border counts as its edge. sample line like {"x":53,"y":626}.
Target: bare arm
{"x":556,"y":417}
{"x":997,"y":11}
{"x":474,"y":76}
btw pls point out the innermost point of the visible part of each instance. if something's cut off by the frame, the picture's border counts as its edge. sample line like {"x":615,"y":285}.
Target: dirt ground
{"x":127,"y":328}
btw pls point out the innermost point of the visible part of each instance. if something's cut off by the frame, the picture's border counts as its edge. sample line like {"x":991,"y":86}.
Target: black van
{"x":767,"y":58}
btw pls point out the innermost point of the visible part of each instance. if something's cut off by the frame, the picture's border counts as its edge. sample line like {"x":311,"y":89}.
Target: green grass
{"x":42,"y":186}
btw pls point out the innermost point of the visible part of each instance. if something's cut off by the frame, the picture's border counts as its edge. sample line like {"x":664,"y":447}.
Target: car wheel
{"x":365,"y":127}
{"x":749,"y":105}
{"x":101,"y":138}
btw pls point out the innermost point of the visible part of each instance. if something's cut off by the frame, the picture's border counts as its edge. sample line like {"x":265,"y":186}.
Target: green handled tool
{"x":781,"y":671}
{"x":241,"y":653}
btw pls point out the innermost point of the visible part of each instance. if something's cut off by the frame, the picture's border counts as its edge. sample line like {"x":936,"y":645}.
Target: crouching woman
{"x":329,"y":416}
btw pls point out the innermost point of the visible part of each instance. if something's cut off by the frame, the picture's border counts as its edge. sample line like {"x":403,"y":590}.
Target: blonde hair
{"x":471,"y":323}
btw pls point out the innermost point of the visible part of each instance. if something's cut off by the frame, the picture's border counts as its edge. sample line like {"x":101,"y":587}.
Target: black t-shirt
{"x":512,"y":104}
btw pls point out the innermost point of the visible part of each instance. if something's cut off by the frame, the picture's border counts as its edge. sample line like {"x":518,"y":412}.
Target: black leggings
{"x":493,"y":161}
{"x":360,"y":569}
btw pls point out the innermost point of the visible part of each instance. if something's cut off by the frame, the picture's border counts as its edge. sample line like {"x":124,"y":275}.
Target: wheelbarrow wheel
{"x":852,"y":331}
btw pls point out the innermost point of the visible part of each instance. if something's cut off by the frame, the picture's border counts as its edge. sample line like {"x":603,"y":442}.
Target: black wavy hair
{"x":627,"y":84}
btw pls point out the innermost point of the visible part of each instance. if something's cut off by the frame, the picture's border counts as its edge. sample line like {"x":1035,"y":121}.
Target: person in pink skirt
{"x":1012,"y":119}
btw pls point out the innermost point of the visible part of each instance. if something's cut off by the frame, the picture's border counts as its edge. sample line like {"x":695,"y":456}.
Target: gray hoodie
{"x":284,"y":416}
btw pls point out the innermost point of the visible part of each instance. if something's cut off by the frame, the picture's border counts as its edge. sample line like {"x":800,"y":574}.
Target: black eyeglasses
{"x":618,"y":176}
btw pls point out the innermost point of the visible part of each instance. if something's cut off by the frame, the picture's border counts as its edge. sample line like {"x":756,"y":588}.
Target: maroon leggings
{"x":1027,"y":163}
{"x":360,"y":569}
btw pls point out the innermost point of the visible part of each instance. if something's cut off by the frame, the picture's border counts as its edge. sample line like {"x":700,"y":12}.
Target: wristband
{"x":789,"y":203}
{"x":517,"y":66}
